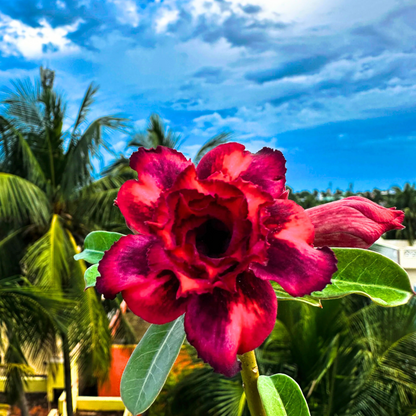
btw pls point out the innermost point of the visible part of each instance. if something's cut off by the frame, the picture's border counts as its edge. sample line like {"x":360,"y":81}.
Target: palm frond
{"x":48,"y":261}
{"x":156,"y":135}
{"x":386,"y":341}
{"x":204,"y":392}
{"x":35,"y":312}
{"x":85,"y":108}
{"x":210,"y":144}
{"x":120,"y":167}
{"x":78,"y":159}
{"x":22,"y":201}
{"x":91,"y":334}
{"x":18,"y":156}
{"x":23,"y":106}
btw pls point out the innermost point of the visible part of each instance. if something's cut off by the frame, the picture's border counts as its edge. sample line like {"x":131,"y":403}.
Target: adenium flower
{"x":208,"y":240}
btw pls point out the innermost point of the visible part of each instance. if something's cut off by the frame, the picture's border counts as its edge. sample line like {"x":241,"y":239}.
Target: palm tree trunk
{"x":67,"y":375}
{"x":24,"y":409}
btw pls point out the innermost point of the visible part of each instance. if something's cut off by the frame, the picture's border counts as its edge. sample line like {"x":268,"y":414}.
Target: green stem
{"x":250,"y":374}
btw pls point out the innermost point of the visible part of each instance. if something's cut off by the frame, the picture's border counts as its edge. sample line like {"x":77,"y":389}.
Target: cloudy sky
{"x":332,"y":83}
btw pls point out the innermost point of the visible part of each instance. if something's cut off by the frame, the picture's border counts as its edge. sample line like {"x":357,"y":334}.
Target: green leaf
{"x":150,"y":364}
{"x":282,"y":295}
{"x":370,"y":274}
{"x":95,"y":244}
{"x":22,"y":201}
{"x":91,"y":275}
{"x":282,"y":396}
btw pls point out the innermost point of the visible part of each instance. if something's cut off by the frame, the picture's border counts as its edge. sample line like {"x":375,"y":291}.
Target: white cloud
{"x":127,"y":13}
{"x":166,"y":17}
{"x":28,"y":41}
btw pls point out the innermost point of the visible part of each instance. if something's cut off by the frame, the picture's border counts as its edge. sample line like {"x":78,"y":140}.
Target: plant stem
{"x":250,"y":374}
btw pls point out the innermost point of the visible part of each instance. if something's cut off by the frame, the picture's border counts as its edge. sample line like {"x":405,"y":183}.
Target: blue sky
{"x":332,"y":83}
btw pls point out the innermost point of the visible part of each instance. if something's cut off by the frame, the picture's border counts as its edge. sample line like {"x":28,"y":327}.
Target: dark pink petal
{"x":230,"y":159}
{"x":124,"y":265}
{"x":265,"y":168}
{"x":352,"y":222}
{"x":223,"y":324}
{"x":293,"y":262}
{"x":160,"y":166}
{"x":154,"y":299}
{"x":157,"y":171}
{"x":136,"y":202}
{"x":268,"y":171}
{"x":299,"y":269}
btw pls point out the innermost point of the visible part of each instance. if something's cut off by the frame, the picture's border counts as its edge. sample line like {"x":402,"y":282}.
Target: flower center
{"x":212,"y":238}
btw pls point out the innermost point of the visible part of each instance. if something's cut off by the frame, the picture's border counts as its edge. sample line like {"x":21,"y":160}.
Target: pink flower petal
{"x":154,"y":299}
{"x":161,"y":165}
{"x":352,"y":222}
{"x":293,"y":262}
{"x":157,"y":171}
{"x":223,"y":324}
{"x":268,"y":171}
{"x":230,"y":159}
{"x":265,"y":168}
{"x":124,"y":265}
{"x":136,"y":202}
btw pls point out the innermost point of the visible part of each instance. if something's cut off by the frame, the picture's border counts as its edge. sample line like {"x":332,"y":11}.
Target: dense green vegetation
{"x":350,"y":358}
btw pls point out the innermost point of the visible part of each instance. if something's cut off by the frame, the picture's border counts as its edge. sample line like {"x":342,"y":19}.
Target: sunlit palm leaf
{"x":47,"y":261}
{"x":22,"y":201}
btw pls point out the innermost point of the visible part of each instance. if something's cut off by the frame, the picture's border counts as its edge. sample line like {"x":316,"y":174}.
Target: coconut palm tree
{"x":45,"y":178}
{"x":29,"y":322}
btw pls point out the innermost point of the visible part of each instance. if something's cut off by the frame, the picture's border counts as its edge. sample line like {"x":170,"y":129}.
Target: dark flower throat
{"x":212,"y":238}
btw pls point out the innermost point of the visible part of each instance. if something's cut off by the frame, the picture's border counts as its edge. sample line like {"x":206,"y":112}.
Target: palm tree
{"x":45,"y":183}
{"x":156,"y":135}
{"x":28,"y":321}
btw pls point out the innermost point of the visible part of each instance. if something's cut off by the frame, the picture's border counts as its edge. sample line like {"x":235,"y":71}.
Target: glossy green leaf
{"x":282,"y":295}
{"x":370,"y":274}
{"x":282,"y":396}
{"x":95,"y":244}
{"x":150,"y":364}
{"x":90,"y":276}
